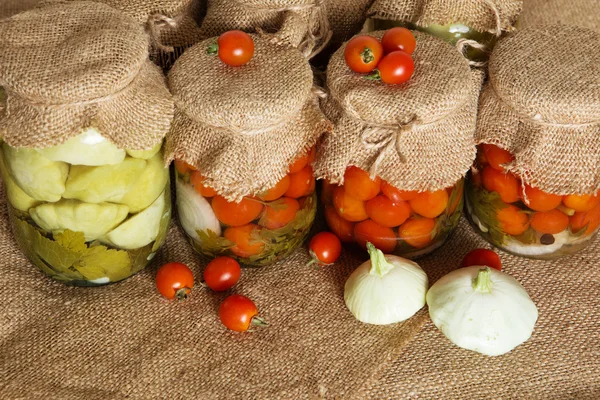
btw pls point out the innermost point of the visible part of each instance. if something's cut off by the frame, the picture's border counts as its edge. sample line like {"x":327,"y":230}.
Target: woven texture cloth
{"x":11,"y":7}
{"x":581,"y":13}
{"x":543,"y":110}
{"x":476,"y":14}
{"x":124,"y":341}
{"x":69,"y":65}
{"x":262,"y":114}
{"x":399,"y":131}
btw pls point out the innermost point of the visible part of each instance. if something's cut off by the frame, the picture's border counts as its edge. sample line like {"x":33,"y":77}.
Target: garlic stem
{"x":483,"y":283}
{"x":379,"y":265}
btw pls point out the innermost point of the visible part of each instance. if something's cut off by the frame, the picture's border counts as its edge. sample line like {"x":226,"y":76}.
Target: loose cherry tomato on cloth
{"x":363,"y":53}
{"x":234,"y":48}
{"x":238,"y":313}
{"x":325,"y":248}
{"x":174,"y":280}
{"x":482,"y":257}
{"x":398,"y":39}
{"x":395,"y":68}
{"x":222,"y":273}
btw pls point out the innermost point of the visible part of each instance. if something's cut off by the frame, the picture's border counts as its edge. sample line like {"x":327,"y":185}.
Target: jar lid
{"x":70,"y":65}
{"x":549,"y":74}
{"x":481,"y":15}
{"x":243,"y":126}
{"x":542,"y":104}
{"x":264,"y":93}
{"x":398,"y":132}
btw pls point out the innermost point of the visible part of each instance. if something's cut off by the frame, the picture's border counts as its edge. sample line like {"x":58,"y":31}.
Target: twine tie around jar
{"x":385,"y":139}
{"x":463,"y":44}
{"x":155,"y":24}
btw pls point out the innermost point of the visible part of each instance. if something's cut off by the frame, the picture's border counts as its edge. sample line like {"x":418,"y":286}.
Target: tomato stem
{"x":181,"y":294}
{"x":213,"y":49}
{"x":375,"y":76}
{"x":367,"y":55}
{"x":258,"y":321}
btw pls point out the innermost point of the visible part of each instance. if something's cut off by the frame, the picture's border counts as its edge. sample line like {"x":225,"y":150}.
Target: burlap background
{"x":584,"y":13}
{"x":124,"y":341}
{"x":476,"y":14}
{"x":544,"y":107}
{"x":372,"y":120}
{"x":346,"y":18}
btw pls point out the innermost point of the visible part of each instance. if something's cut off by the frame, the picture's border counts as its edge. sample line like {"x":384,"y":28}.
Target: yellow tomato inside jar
{"x":258,"y":230}
{"x":522,"y":219}
{"x":406,"y":223}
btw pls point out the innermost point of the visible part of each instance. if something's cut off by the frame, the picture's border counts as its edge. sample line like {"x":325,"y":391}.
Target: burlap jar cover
{"x":346,"y":18}
{"x":172,"y":24}
{"x":581,"y":13}
{"x":485,"y":16}
{"x":416,"y":136}
{"x":243,"y":126}
{"x":69,"y":65}
{"x":543,"y":106}
{"x":298,"y":23}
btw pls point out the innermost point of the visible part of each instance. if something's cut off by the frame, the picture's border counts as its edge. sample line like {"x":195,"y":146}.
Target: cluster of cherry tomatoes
{"x":550,"y":213}
{"x":389,"y":60}
{"x":371,"y":210}
{"x":238,"y":313}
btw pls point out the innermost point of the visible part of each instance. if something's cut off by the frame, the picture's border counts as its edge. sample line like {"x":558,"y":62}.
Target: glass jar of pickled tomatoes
{"x":522,"y":219}
{"x":258,"y":230}
{"x":407,"y":223}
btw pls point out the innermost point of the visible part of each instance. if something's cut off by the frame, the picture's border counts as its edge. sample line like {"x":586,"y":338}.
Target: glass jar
{"x":524,"y":220}
{"x":409,"y":224}
{"x":86,"y":212}
{"x":258,"y":230}
{"x":450,"y":33}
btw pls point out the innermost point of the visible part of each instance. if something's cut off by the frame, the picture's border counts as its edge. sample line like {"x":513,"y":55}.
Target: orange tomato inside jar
{"x":522,"y":219}
{"x":258,"y":230}
{"x":406,"y":223}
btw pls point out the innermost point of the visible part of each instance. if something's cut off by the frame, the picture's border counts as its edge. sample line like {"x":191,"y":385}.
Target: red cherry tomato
{"x":238,"y":313}
{"x":363,"y":53}
{"x":325,"y":248}
{"x":222,"y":273}
{"x":174,"y":280}
{"x":396,"y":67}
{"x":235,"y":48}
{"x":482,"y":257}
{"x":398,"y":39}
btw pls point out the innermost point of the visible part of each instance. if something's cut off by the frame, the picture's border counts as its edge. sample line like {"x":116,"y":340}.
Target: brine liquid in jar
{"x":522,"y":219}
{"x":407,"y":223}
{"x":258,"y":230}
{"x":86,"y":212}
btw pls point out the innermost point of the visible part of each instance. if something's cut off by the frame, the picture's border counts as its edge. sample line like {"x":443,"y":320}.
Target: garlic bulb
{"x":482,"y":309}
{"x":386,"y":289}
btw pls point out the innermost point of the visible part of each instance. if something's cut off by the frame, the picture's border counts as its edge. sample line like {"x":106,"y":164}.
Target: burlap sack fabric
{"x":243,"y":126}
{"x":12,"y":7}
{"x":542,"y":12}
{"x":481,"y":15}
{"x":298,"y":23}
{"x":346,"y":18}
{"x":398,"y":132}
{"x":69,"y":65}
{"x":544,"y":107}
{"x":173,"y":24}
{"x":123,"y":341}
